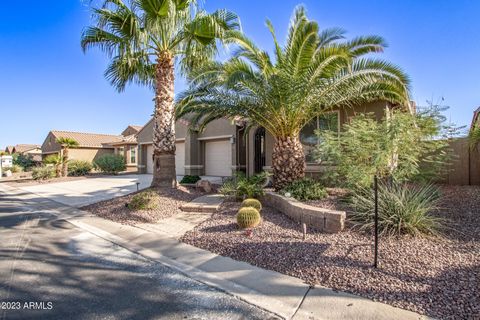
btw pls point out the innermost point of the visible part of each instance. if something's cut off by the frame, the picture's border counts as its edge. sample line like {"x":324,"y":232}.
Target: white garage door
{"x":179,"y":158}
{"x":218,"y":158}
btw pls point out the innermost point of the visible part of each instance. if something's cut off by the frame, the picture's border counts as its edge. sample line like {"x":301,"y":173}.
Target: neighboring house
{"x":93,"y":145}
{"x":128,"y":146}
{"x":9,"y":149}
{"x":32,"y":151}
{"x":223,"y":148}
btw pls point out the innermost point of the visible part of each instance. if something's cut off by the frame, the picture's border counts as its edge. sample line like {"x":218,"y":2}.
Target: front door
{"x":259,"y":150}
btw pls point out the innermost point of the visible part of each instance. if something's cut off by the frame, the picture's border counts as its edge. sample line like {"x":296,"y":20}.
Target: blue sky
{"x":46,"y":82}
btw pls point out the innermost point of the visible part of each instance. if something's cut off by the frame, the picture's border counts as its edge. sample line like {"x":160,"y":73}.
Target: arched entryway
{"x":259,"y":150}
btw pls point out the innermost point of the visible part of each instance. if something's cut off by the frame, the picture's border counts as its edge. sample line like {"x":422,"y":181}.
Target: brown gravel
{"x":169,"y":204}
{"x":334,"y":201}
{"x":438,"y":276}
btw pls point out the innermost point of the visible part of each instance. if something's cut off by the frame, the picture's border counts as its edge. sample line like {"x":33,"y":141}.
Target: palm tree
{"x":56,"y":161}
{"x":66,"y":144}
{"x":145,"y":40}
{"x":315,"y":71}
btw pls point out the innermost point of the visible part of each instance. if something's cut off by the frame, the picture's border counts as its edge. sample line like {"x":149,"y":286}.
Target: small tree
{"x":402,"y":146}
{"x":66,"y":144}
{"x":56,"y":161}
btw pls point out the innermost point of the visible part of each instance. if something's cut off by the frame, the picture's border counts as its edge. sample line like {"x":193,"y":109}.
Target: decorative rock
{"x":205,"y":185}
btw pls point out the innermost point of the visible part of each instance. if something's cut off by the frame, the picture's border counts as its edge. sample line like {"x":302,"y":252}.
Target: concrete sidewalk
{"x":286,"y":296}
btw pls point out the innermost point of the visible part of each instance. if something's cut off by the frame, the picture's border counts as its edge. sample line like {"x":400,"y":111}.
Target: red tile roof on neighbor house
{"x":21,"y":148}
{"x":91,"y":140}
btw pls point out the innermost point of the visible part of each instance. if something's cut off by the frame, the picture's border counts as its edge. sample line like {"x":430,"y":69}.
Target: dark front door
{"x":259,"y":150}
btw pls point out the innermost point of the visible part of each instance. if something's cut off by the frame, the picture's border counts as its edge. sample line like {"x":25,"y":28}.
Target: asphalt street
{"x":50,"y":269}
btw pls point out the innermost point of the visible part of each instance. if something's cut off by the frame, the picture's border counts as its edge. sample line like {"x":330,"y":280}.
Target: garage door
{"x":218,"y":158}
{"x":179,"y":158}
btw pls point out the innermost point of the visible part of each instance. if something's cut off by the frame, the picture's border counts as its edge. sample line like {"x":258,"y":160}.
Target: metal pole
{"x":375,"y":186}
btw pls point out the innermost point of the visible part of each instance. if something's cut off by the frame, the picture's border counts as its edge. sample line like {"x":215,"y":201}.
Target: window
{"x":133,"y":158}
{"x":308,"y":137}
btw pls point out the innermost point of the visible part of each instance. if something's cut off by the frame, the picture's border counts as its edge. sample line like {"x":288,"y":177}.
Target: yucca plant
{"x":56,"y":161}
{"x":402,"y":209}
{"x":145,"y":39}
{"x":66,"y":144}
{"x":314,"y":71}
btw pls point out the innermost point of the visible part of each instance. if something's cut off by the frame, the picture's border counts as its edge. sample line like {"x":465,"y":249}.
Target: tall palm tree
{"x":66,"y":144}
{"x":315,"y":71}
{"x":146,"y":39}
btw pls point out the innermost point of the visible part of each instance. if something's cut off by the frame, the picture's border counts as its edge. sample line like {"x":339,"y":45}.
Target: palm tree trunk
{"x":288,"y":161}
{"x":164,"y":124}
{"x":65,"y":162}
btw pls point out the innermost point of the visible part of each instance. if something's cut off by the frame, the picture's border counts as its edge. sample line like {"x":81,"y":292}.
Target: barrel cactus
{"x":254,"y":203}
{"x":248,"y":217}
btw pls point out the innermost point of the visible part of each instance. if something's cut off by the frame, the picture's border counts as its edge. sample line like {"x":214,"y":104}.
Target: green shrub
{"x":240,"y":186}
{"x":190,"y":179}
{"x":43,"y":173}
{"x":16,"y":168}
{"x":110,"y":163}
{"x":248,"y":217}
{"x":305,"y":189}
{"x":79,"y":167}
{"x":402,"y":209}
{"x":22,"y":160}
{"x":145,"y":200}
{"x":254,"y":203}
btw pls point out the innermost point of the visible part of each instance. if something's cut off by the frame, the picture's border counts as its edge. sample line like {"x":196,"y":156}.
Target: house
{"x":128,"y":146}
{"x":32,"y":151}
{"x":9,"y":149}
{"x":223,"y":148}
{"x":93,"y":145}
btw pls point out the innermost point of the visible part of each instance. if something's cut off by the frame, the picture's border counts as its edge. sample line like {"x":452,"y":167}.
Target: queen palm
{"x":66,"y":144}
{"x":315,"y":71}
{"x":145,"y":40}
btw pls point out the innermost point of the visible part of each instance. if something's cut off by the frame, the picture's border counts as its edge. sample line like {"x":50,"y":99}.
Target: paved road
{"x":77,"y":275}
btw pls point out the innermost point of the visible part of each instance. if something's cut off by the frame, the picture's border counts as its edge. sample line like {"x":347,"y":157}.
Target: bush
{"x":248,"y":217}
{"x":404,"y":147}
{"x":145,"y":200}
{"x":79,"y":168}
{"x":110,"y":163}
{"x":305,"y":189}
{"x":241,"y":187}
{"x":190,"y":179}
{"x":254,"y":203}
{"x":23,"y":161}
{"x":16,"y":168}
{"x":402,"y":209}
{"x":43,"y":173}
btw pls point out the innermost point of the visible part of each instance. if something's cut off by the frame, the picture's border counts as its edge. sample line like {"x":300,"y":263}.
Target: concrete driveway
{"x":87,"y":191}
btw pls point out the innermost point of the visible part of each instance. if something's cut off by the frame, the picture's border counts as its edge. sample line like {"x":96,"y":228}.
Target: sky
{"x":47,"y":82}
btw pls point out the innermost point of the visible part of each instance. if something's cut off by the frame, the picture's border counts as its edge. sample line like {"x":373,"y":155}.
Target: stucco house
{"x":93,"y":145}
{"x":32,"y":151}
{"x":223,"y":148}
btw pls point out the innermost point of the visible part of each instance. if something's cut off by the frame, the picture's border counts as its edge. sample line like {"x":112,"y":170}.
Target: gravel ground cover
{"x":334,"y":201}
{"x":170,"y":201}
{"x":439,"y":277}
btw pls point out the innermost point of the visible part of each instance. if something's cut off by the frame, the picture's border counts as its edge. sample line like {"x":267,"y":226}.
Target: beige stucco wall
{"x":218,"y":128}
{"x":146,"y":134}
{"x":50,"y":144}
{"x":87,"y":154}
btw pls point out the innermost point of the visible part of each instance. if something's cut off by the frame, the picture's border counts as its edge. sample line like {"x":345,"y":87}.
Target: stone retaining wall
{"x":319,"y":218}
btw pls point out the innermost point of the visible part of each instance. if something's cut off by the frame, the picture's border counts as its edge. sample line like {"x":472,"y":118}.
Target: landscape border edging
{"x":322,"y":219}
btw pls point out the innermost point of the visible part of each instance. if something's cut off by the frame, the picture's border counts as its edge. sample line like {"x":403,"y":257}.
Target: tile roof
{"x":138,"y":128}
{"x":125,"y":140}
{"x":95,"y":140}
{"x":25,"y":147}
